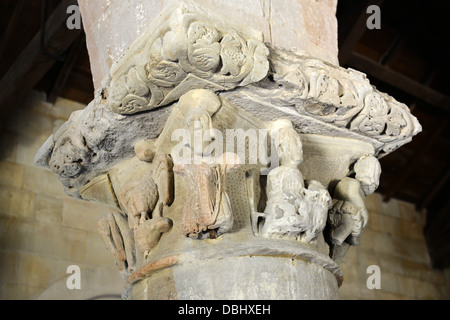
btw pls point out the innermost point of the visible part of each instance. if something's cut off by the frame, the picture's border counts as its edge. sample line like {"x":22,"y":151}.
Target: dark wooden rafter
{"x":66,"y":69}
{"x":17,"y":34}
{"x":415,"y":158}
{"x":356,"y":31}
{"x":437,"y":233}
{"x":14,"y":21}
{"x":33,"y":63}
{"x":434,"y":189}
{"x":438,"y":60}
{"x":397,"y":43}
{"x":400,"y":81}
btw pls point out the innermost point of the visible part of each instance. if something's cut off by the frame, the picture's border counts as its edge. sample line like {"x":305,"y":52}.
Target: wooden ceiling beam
{"x":66,"y":69}
{"x":399,"y":81}
{"x":33,"y":63}
{"x":23,"y":23}
{"x":14,"y":21}
{"x":434,"y":189}
{"x":436,"y":66}
{"x":415,"y":158}
{"x":356,"y":32}
{"x":398,"y":42}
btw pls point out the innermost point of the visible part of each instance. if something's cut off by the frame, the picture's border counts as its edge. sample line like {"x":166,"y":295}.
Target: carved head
{"x":289,"y":145}
{"x":67,"y":159}
{"x":368,"y":171}
{"x":199,"y":106}
{"x":205,"y":99}
{"x":69,"y":153}
{"x":199,"y":124}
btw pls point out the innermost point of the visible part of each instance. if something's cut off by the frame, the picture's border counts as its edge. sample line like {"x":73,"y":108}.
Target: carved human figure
{"x":348,"y":216}
{"x":143,"y":186}
{"x":68,"y":155}
{"x":145,"y":197}
{"x":295,"y":208}
{"x":119,"y":240}
{"x":207,"y":213}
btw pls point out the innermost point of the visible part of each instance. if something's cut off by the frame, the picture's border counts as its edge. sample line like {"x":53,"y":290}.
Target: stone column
{"x":111,"y":26}
{"x":236,"y":154}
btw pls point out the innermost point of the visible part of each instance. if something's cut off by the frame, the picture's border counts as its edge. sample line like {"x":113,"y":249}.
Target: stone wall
{"x":393,"y":241}
{"x":43,"y":231}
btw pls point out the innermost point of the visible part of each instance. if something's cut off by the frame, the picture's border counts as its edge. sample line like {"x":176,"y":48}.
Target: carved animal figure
{"x":293,"y":210}
{"x":349,"y":216}
{"x":144,"y":197}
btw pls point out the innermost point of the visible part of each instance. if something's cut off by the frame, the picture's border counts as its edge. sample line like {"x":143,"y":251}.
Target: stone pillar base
{"x":251,"y":277}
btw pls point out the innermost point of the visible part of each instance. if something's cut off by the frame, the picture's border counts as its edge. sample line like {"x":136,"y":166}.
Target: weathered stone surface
{"x":247,"y":278}
{"x":93,"y":140}
{"x":325,"y":99}
{"x":168,"y":107}
{"x":98,"y":138}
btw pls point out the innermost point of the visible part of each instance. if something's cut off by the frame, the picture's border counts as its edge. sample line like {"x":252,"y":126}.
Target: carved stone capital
{"x":288,"y":195}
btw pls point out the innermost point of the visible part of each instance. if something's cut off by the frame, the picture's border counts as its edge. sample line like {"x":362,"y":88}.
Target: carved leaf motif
{"x":375,"y":105}
{"x":132,"y":103}
{"x":119,"y":90}
{"x":325,"y":88}
{"x":372,"y":120}
{"x":258,"y":53}
{"x":395,"y":123}
{"x":169,"y":72}
{"x":129,"y":92}
{"x":205,"y":58}
{"x":171,"y":47}
{"x":202,"y":33}
{"x":232,"y":56}
{"x":135,"y":85}
{"x":320,"y":109}
{"x":372,"y":126}
{"x":294,"y":79}
{"x":187,"y":53}
{"x":349,"y":95}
